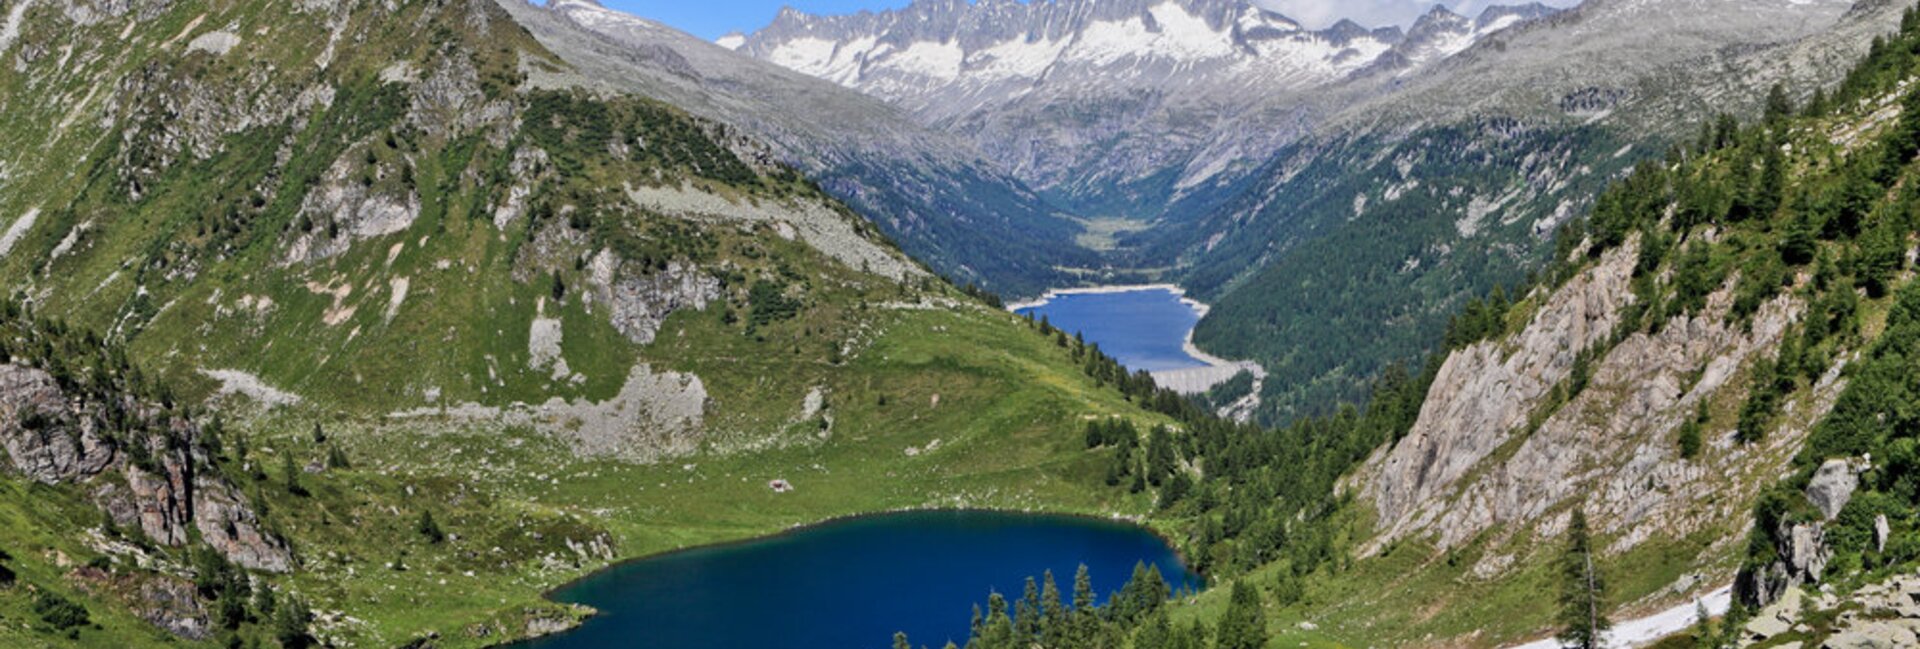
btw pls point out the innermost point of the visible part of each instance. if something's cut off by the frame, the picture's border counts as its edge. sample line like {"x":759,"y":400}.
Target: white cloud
{"x":1380,"y":13}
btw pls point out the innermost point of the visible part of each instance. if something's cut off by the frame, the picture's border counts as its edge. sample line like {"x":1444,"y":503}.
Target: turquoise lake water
{"x":1144,"y":329}
{"x":851,"y":584}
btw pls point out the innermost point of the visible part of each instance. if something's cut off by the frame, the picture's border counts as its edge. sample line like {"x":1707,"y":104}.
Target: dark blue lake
{"x":852,"y":584}
{"x":1144,"y":329}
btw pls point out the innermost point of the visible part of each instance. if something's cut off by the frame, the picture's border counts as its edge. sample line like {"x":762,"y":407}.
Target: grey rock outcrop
{"x":142,"y":480}
{"x":1800,"y":548}
{"x":42,"y":445}
{"x":1802,"y":557}
{"x":1880,"y":532}
{"x":1488,"y":456}
{"x":1884,"y":615}
{"x":1832,"y":487}
{"x":639,"y":302}
{"x":1483,"y":393}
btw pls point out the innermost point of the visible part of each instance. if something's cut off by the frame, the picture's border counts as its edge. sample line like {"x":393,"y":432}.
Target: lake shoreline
{"x":1199,"y":308}
{"x":1173,"y":376}
{"x":1139,"y":522}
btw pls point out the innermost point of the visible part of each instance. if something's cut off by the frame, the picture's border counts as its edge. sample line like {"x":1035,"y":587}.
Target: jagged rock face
{"x":1483,"y":393}
{"x":172,"y":604}
{"x":228,"y":524}
{"x":44,"y":444}
{"x":1470,"y":464}
{"x":57,"y":439}
{"x":1073,"y":95}
{"x":638,"y":303}
{"x":1803,"y":557}
{"x":344,"y":209}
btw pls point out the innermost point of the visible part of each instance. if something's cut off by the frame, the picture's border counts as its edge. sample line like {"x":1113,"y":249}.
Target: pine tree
{"x":900,"y":640}
{"x":1583,"y":591}
{"x":290,"y":627}
{"x":1086,"y":617}
{"x":292,"y":474}
{"x":1798,"y":245}
{"x":1026,"y":613}
{"x":1244,"y":625}
{"x":337,"y":459}
{"x":1690,"y":441}
{"x":1157,"y":633}
{"x":1703,"y":635}
{"x":1053,"y":614}
{"x":264,"y":605}
{"x":976,"y":628}
{"x":998,"y":633}
{"x":430,"y":529}
{"x":1779,"y":107}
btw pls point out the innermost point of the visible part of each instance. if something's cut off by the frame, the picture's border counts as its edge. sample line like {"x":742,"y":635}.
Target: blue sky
{"x":711,"y":19}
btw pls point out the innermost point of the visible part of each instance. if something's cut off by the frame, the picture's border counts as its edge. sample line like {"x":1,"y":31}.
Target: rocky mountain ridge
{"x":1092,"y":79}
{"x":930,"y":191}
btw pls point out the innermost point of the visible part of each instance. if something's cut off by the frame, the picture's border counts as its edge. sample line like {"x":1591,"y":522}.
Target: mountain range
{"x":1335,"y":193}
{"x":1099,"y":104}
{"x":371,"y":322}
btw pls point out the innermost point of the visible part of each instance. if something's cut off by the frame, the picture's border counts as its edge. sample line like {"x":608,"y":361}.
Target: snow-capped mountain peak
{"x":1131,"y":87}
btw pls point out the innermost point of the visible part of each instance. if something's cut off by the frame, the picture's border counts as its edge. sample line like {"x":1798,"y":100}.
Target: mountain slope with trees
{"x":1615,"y":432}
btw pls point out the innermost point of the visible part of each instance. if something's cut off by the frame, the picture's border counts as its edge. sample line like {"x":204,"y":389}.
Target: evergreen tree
{"x":291,"y":472}
{"x":1086,"y":618}
{"x":230,"y":610}
{"x":900,"y":640}
{"x":1160,"y":456}
{"x":1026,"y":613}
{"x":1690,"y":441}
{"x":1583,"y":592}
{"x":1779,"y":107}
{"x":1798,"y":244}
{"x":430,"y":529}
{"x":998,"y":632}
{"x":264,"y":605}
{"x":1288,"y":588}
{"x":337,"y":459}
{"x":290,"y":626}
{"x":1053,"y":614}
{"x":976,"y":628}
{"x":1244,"y":625}
{"x":1157,"y":633}
{"x":1703,"y":635}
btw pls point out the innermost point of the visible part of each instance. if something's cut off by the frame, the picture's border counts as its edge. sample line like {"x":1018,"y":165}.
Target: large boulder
{"x":1803,"y":556}
{"x":1832,"y":486}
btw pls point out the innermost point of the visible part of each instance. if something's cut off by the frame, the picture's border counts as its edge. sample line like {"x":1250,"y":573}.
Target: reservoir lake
{"x":1145,"y":328}
{"x":851,"y":584}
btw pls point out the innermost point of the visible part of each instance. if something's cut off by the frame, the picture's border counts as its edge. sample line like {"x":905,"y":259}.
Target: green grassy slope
{"x":176,"y":159}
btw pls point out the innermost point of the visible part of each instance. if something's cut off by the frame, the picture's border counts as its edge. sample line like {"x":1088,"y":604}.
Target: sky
{"x":712,"y":19}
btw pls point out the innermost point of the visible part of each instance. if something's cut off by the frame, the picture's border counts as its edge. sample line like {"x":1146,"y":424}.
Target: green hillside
{"x":405,"y":286}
